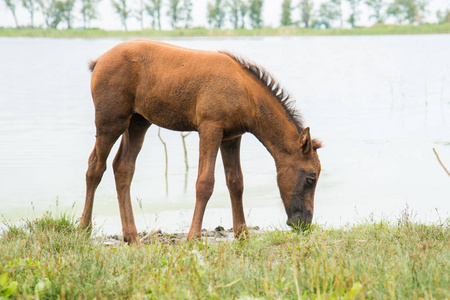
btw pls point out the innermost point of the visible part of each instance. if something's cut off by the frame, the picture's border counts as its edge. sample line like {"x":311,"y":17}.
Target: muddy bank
{"x":219,"y":234}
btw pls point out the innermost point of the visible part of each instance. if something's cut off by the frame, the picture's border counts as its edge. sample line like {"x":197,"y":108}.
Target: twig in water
{"x":167,"y":159}
{"x":439,"y":160}
{"x":183,"y":137}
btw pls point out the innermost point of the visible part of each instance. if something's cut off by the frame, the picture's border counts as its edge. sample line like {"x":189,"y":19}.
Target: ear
{"x":316,"y":144}
{"x":305,"y":141}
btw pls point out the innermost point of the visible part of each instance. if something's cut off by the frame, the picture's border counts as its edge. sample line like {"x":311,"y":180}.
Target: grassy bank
{"x":283,"y":31}
{"x":48,"y":258}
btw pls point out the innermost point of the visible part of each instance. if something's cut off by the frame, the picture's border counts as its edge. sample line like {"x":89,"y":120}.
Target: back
{"x":175,"y":87}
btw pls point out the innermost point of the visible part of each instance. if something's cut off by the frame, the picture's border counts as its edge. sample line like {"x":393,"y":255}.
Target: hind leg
{"x":108,"y":131}
{"x":124,"y":165}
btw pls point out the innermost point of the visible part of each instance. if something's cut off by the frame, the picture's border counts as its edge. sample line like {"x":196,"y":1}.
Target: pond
{"x":379,"y":103}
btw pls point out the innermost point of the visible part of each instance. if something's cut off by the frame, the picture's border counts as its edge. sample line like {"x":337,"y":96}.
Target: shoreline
{"x":219,"y":234}
{"x":204,"y":32}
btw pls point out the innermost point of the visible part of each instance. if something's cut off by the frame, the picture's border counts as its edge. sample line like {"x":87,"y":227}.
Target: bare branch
{"x":167,"y":158}
{"x":439,"y":160}
{"x":183,"y":137}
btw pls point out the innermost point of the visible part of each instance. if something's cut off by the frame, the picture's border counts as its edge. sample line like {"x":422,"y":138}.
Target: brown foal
{"x":141,"y":82}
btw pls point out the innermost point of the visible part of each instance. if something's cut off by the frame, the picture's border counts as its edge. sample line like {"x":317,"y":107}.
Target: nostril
{"x":297,"y":215}
{"x":307,"y":216}
{"x":300,"y":216}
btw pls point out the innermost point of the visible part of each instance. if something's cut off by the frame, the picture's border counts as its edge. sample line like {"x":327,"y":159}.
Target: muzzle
{"x":300,"y":219}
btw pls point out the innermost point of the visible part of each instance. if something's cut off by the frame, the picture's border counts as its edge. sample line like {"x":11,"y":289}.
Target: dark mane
{"x":273,"y":86}
{"x":92,"y":65}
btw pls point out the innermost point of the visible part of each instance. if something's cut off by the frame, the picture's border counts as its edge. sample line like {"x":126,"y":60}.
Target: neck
{"x":276,"y":132}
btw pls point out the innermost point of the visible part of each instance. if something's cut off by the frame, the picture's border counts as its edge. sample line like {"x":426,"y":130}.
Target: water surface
{"x":379,"y":103}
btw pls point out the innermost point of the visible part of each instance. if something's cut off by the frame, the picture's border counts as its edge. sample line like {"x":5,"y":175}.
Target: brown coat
{"x":141,"y":82}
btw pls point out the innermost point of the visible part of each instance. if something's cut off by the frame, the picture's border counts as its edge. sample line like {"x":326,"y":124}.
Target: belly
{"x":168,"y":114}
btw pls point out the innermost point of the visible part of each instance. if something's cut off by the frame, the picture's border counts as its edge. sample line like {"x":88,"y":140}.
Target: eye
{"x":310,"y":181}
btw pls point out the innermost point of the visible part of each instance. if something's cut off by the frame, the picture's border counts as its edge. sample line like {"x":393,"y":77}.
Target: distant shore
{"x":204,"y":32}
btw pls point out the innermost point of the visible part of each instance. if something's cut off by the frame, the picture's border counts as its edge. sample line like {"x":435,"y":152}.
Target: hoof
{"x":194,"y":237}
{"x":132,"y":239}
{"x":241,"y":234}
{"x":85,"y":228}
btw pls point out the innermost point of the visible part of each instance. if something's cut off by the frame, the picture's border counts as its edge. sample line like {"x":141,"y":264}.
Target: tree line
{"x":329,"y":14}
{"x":223,"y":13}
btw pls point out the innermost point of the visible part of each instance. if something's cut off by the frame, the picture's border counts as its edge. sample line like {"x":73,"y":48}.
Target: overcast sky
{"x":109,"y":20}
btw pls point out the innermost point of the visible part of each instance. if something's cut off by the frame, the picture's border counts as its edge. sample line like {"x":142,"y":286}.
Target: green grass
{"x":49,"y":258}
{"x":282,"y":31}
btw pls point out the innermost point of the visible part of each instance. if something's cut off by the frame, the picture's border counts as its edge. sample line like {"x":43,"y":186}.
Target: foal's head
{"x":297,"y":181}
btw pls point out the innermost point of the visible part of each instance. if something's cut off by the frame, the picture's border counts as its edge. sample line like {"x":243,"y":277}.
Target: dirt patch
{"x":219,"y":234}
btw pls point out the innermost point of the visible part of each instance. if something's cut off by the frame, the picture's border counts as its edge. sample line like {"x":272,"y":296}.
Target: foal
{"x":141,"y":82}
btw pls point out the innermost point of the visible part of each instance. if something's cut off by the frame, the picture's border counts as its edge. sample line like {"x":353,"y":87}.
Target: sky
{"x":110,"y":21}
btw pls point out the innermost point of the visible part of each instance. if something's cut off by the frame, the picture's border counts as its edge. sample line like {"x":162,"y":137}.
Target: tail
{"x":92,"y":65}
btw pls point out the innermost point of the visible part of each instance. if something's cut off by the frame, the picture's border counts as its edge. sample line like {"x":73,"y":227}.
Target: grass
{"x":193,"y":32}
{"x":49,"y":258}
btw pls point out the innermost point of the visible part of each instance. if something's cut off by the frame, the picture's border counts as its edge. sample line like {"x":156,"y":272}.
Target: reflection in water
{"x":186,"y":160}
{"x":379,"y":103}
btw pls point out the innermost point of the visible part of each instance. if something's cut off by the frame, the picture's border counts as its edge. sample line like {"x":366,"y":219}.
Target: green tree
{"x":66,"y":8}
{"x":139,"y":13}
{"x":305,"y":12}
{"x":51,"y":11}
{"x":244,"y":9}
{"x":238,"y":11}
{"x":255,"y":9}
{"x":174,"y":12}
{"x":216,"y":13}
{"x":88,"y":11}
{"x":233,"y":6}
{"x":443,"y":17}
{"x":286,"y":10}
{"x":187,"y":13}
{"x":337,"y":4}
{"x":153,"y":9}
{"x":123,"y":11}
{"x":30,"y":5}
{"x":378,"y":8}
{"x":329,"y":13}
{"x":354,"y":11}
{"x":11,"y":4}
{"x":407,"y":11}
